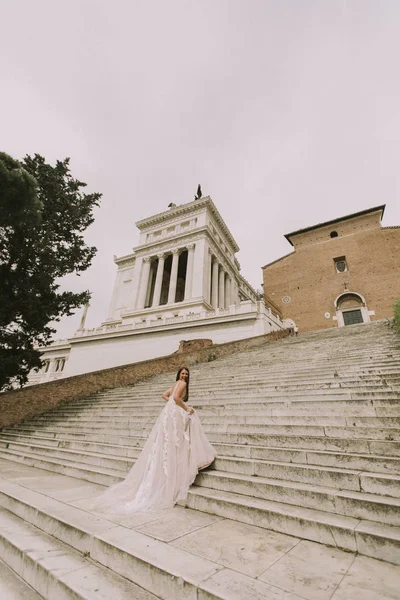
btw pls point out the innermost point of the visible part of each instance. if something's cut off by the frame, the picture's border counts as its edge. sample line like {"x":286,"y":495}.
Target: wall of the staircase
{"x":19,"y":405}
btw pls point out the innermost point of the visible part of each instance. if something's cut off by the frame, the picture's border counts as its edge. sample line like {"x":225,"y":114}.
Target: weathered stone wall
{"x":309,"y":277}
{"x":18,"y":405}
{"x":192,"y":345}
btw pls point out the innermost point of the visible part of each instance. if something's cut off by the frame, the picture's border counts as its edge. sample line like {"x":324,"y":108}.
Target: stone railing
{"x":19,"y":405}
{"x":245,"y":307}
{"x":55,"y":343}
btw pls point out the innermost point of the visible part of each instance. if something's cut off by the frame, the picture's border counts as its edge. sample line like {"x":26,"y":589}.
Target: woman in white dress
{"x":174,"y":452}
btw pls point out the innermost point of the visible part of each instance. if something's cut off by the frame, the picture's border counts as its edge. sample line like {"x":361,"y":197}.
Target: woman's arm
{"x":180,"y":390}
{"x":165,"y":396}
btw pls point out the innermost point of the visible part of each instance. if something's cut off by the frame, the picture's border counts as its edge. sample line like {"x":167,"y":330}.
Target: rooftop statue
{"x":198,"y":193}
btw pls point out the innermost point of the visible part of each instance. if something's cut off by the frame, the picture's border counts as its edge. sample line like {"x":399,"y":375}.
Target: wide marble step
{"x":305,"y":383}
{"x":247,"y":398}
{"x":244,"y":402}
{"x":355,"y":461}
{"x":220,"y":431}
{"x":333,"y":458}
{"x":120,"y":457}
{"x":54,"y":569}
{"x":76,"y":527}
{"x":93,"y":458}
{"x":342,"y":479}
{"x":242,"y":374}
{"x":371,"y":507}
{"x":369,"y":491}
{"x":249,"y":418}
{"x":216,"y":430}
{"x":125,"y":555}
{"x":308,"y":378}
{"x":13,"y":587}
{"x":361,"y":408}
{"x":357,"y":535}
{"x":312,"y":383}
{"x":94,"y":474}
{"x":366,"y":446}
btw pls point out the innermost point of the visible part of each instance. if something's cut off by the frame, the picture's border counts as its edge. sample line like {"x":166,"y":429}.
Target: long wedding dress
{"x":176,"y":449}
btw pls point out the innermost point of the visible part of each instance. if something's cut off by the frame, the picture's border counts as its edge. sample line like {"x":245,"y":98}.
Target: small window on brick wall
{"x":334,"y":234}
{"x":340,"y":264}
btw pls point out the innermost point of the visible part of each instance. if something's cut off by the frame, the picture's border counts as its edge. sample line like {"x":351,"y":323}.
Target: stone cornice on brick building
{"x":380,"y":209}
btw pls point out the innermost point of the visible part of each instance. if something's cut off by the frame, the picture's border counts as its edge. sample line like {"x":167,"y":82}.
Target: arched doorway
{"x":351,"y":309}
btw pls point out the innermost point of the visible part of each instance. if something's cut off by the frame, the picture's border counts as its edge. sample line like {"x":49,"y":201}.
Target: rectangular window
{"x":351,"y":317}
{"x":340,"y":264}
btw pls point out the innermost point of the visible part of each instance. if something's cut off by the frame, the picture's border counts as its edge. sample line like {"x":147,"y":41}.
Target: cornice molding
{"x":170,"y":244}
{"x":250,"y":316}
{"x":174,"y":221}
{"x":55,"y":348}
{"x":189,"y":209}
{"x":128,"y":258}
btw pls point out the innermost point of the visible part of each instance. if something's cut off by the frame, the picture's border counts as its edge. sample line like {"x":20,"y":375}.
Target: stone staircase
{"x":307,"y":432}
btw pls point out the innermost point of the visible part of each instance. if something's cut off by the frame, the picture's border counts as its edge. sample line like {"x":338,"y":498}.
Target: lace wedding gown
{"x":175,"y":450}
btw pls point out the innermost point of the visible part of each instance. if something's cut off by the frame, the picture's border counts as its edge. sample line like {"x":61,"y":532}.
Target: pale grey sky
{"x":287,"y":112}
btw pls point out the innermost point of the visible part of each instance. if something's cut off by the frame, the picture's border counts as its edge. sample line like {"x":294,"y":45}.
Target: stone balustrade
{"x":234,"y":310}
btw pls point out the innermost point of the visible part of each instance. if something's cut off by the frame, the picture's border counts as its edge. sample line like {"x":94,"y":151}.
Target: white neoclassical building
{"x":182,"y":281}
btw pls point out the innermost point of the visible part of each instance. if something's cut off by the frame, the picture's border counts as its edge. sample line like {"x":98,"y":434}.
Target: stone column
{"x":233,"y":291}
{"x":111,"y":312}
{"x":159,"y":279}
{"x":237,"y":297}
{"x":199,"y":269}
{"x":144,"y":282}
{"x":174,"y":276}
{"x":209,"y":279}
{"x":221,"y":291}
{"x":84,"y":315}
{"x":227,"y":291}
{"x":189,"y":272}
{"x":214,"y":292}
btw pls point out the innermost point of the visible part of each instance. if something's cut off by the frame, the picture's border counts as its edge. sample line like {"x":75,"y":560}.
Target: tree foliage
{"x":43,"y":214}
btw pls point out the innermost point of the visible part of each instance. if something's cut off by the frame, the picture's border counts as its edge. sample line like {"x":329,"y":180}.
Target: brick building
{"x":341,"y":272}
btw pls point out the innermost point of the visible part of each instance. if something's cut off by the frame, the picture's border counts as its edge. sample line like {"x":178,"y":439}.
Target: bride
{"x":173,"y":454}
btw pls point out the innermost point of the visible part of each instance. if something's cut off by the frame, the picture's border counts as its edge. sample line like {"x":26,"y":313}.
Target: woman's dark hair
{"x":186,"y":396}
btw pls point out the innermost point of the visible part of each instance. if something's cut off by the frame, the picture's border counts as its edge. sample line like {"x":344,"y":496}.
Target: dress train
{"x":176,"y":449}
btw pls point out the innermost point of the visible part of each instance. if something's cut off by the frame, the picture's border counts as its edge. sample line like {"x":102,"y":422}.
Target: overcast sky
{"x":286,"y":111}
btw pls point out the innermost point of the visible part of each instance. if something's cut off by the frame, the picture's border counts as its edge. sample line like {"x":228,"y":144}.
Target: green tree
{"x":43,"y":212}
